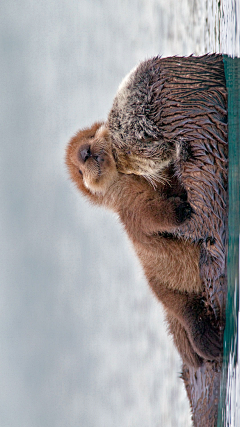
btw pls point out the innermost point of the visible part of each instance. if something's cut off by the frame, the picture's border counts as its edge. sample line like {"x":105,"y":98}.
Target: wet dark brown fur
{"x":151,"y":214}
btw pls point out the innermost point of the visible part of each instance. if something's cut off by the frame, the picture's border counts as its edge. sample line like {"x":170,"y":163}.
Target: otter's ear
{"x":89,"y":132}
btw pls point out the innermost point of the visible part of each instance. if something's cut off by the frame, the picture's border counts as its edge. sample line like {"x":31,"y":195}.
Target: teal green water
{"x":229,"y":410}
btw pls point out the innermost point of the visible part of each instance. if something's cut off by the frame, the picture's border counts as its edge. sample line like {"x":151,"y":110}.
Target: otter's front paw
{"x":183,"y":210}
{"x":204,"y":336}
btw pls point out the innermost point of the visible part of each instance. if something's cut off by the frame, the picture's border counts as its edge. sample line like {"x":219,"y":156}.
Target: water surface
{"x":229,"y":407}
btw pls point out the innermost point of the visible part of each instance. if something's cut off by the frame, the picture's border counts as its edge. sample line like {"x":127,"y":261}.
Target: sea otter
{"x":151,"y":213}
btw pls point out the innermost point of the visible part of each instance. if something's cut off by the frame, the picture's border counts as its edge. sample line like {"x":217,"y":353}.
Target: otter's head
{"x":90,"y":160}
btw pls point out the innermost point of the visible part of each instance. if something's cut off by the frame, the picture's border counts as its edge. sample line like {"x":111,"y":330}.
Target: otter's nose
{"x":84,"y":153}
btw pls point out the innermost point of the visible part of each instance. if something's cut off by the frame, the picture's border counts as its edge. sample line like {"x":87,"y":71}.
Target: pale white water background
{"x":222,"y":27}
{"x":83,"y":341}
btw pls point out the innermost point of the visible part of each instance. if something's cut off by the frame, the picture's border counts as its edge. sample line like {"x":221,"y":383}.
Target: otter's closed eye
{"x":80,"y":172}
